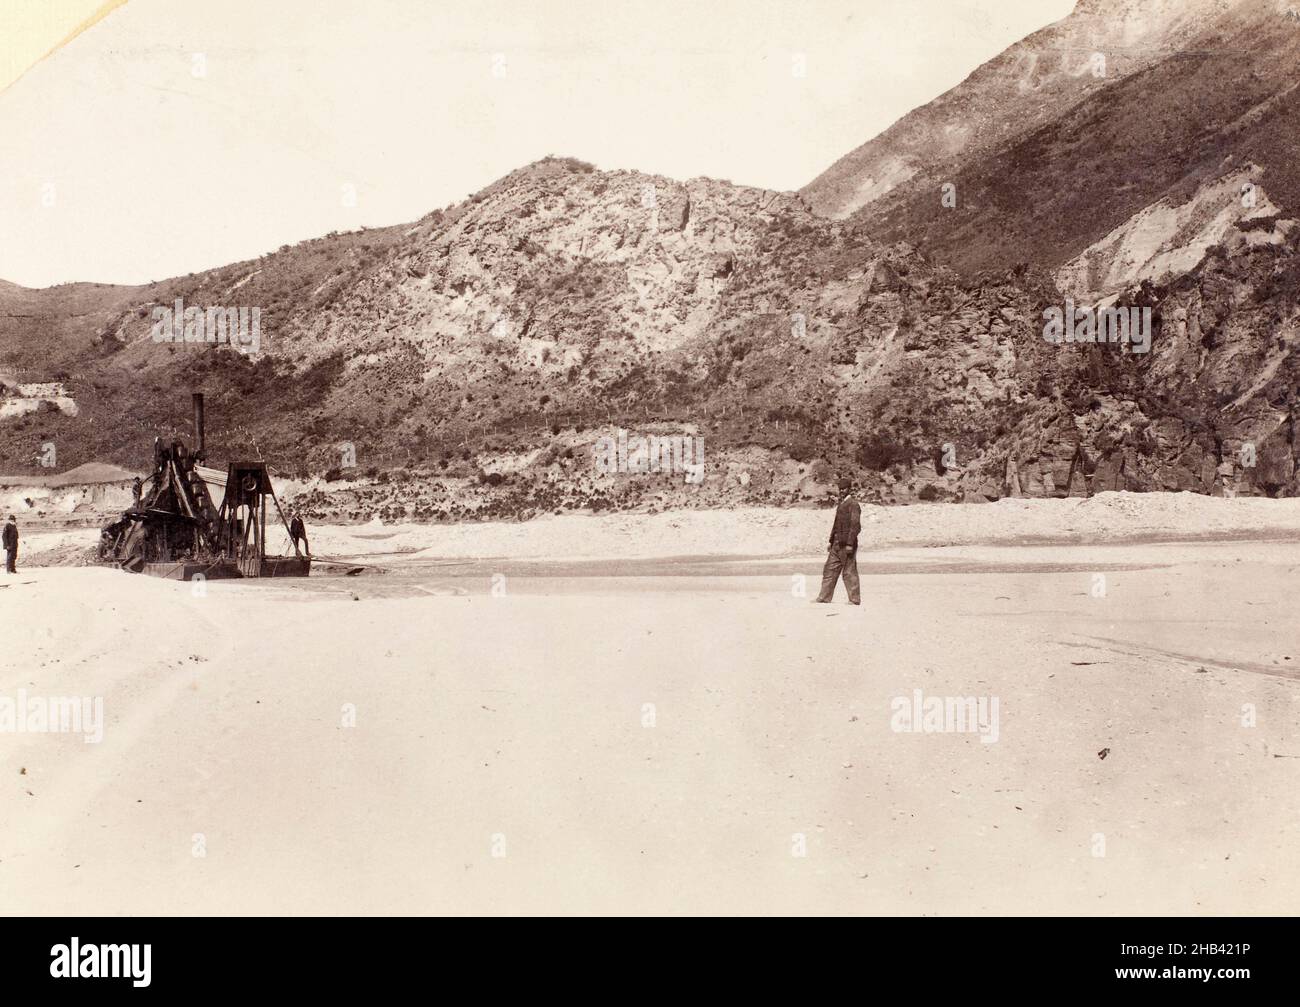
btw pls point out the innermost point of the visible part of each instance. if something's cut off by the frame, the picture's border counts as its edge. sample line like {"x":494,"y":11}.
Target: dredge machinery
{"x":174,"y":529}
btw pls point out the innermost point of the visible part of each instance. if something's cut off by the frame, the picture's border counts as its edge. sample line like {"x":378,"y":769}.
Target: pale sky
{"x":177,"y":135}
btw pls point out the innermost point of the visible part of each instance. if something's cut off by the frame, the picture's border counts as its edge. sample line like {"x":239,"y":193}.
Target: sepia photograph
{"x":613,"y":458}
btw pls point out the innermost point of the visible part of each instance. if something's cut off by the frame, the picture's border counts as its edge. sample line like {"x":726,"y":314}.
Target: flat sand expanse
{"x":677,"y":737}
{"x":753,"y":531}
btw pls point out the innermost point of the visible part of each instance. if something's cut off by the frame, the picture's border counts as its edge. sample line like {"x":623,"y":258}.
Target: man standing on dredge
{"x":842,"y":558}
{"x":298,"y":530}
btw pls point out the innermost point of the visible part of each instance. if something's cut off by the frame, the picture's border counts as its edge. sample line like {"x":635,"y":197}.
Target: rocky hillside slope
{"x":468,"y":362}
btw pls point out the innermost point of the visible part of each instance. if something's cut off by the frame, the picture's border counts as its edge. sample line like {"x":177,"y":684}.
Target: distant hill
{"x":89,"y":474}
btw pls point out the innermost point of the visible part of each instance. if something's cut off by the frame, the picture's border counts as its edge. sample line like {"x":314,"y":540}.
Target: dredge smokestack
{"x":198,"y":422}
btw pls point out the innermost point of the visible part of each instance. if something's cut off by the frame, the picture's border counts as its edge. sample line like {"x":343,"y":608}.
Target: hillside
{"x":471,"y":359}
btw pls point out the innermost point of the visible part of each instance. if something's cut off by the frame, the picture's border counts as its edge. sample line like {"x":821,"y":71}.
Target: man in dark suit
{"x":11,"y":545}
{"x":297,"y":531}
{"x":842,"y":558}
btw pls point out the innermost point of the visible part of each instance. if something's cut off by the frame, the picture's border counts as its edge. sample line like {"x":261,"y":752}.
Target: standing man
{"x":298,"y":530}
{"x":11,"y":545}
{"x":842,"y":559}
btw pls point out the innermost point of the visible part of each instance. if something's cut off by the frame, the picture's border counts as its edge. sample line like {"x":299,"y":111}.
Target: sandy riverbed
{"x":665,"y":739}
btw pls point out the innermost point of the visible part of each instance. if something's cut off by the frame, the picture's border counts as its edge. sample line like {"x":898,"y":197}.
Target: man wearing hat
{"x":11,"y":545}
{"x":297,"y":531}
{"x":842,"y":559}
